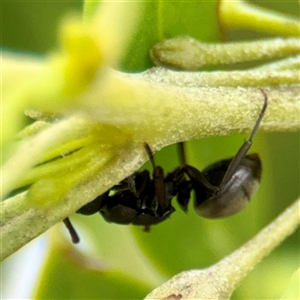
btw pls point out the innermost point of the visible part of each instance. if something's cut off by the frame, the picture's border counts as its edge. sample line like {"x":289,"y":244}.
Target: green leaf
{"x":69,"y":275}
{"x":292,"y":290}
{"x":164,"y":19}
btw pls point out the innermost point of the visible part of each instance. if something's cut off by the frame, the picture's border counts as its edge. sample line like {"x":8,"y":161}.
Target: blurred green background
{"x":136,"y":261}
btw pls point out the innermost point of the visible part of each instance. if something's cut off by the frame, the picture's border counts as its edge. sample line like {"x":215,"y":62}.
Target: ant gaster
{"x":221,"y":189}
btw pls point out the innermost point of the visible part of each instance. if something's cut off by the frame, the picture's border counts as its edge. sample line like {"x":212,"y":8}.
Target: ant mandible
{"x":221,"y":189}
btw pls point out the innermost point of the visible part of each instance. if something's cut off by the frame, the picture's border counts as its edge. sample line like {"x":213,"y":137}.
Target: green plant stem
{"x":238,"y":264}
{"x":252,"y":77}
{"x":187,"y":53}
{"x":290,"y":63}
{"x":168,"y":107}
{"x":221,"y":279}
{"x":242,"y":14}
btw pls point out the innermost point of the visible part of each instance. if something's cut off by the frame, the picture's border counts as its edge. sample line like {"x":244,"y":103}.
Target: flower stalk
{"x":220,"y":280}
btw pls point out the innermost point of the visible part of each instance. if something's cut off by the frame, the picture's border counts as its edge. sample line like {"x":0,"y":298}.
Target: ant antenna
{"x":261,"y":115}
{"x":246,"y":146}
{"x":150,"y":155}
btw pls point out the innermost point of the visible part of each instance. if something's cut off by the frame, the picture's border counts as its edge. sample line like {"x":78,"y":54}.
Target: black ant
{"x":221,"y":189}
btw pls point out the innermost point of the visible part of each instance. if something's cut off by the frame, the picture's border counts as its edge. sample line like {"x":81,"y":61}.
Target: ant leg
{"x":131,"y":185}
{"x":182,"y":156}
{"x":72,"y":231}
{"x":198,"y":178}
{"x":245,"y":147}
{"x":159,"y":181}
{"x":194,"y":173}
{"x":184,"y":186}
